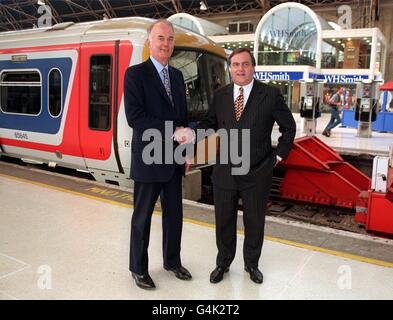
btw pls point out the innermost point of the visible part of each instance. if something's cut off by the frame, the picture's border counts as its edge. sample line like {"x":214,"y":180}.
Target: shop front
{"x":292,"y":45}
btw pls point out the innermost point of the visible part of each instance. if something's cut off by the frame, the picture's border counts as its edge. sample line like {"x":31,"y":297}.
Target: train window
{"x":100,"y":92}
{"x":217,"y":74}
{"x":203,"y":73}
{"x":54,"y":92}
{"x":20,"y":92}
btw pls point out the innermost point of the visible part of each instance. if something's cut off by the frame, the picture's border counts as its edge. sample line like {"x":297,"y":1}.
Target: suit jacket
{"x":264,"y":107}
{"x":147,"y":106}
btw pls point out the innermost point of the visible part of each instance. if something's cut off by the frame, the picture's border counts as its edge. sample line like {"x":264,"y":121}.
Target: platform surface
{"x":58,"y":243}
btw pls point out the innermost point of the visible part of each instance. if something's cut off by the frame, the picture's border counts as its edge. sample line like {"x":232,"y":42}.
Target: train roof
{"x":103,"y":30}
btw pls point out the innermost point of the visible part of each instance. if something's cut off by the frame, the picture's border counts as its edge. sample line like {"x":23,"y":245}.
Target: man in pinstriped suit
{"x":246,"y":104}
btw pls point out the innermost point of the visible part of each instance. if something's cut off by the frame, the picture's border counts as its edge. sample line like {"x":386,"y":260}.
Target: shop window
{"x":288,"y":37}
{"x":346,"y":53}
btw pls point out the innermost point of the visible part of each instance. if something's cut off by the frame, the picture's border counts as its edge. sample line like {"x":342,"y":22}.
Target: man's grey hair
{"x":164,"y":21}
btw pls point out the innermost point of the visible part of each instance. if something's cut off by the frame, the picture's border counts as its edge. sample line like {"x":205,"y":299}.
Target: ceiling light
{"x":41,"y":2}
{"x":203,"y":6}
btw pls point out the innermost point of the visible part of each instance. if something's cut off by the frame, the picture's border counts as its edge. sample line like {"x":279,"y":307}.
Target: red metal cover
{"x":379,"y":213}
{"x":387,"y":86}
{"x":316,"y":173}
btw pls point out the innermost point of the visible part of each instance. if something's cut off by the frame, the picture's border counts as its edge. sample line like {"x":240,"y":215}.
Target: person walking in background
{"x":334,"y":104}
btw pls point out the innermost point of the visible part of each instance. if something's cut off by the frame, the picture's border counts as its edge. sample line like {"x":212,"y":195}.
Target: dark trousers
{"x":145,"y":197}
{"x":254,"y":207}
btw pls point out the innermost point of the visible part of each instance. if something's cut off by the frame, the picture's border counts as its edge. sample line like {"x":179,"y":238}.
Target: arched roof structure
{"x":292,"y":27}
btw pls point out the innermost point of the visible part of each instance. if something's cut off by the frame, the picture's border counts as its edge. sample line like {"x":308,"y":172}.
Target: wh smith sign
{"x":277,"y":76}
{"x":283,"y":33}
{"x":338,"y":78}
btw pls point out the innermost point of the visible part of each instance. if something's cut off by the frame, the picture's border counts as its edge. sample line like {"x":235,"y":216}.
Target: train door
{"x":98,"y":93}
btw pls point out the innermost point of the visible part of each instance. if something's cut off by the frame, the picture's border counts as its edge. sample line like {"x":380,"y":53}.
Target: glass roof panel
{"x":290,"y":29}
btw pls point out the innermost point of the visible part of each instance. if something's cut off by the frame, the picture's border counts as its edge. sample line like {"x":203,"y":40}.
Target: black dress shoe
{"x":180,"y":272}
{"x":255,"y":274}
{"x":217,"y":274}
{"x":143,"y":281}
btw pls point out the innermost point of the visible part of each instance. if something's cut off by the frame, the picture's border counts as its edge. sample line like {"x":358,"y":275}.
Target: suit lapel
{"x":175,"y":83}
{"x":158,"y":83}
{"x":228,"y":106}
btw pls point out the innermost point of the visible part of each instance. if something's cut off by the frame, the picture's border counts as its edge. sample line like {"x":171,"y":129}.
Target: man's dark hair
{"x":240,"y":50}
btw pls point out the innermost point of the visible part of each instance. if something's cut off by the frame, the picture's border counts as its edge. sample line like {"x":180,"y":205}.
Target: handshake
{"x":184,"y":135}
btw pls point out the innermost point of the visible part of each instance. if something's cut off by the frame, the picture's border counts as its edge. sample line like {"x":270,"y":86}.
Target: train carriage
{"x":61,"y":91}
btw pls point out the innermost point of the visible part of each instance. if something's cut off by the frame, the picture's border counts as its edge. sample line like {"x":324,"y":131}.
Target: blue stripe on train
{"x":44,"y":122}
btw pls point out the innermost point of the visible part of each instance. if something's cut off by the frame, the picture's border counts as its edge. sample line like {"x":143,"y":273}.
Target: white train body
{"x":61,"y":91}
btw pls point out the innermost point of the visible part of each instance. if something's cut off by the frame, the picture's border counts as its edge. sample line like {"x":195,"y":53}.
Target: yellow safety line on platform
{"x":333,"y":252}
{"x":210,"y":225}
{"x":66,"y":190}
{"x":309,"y":247}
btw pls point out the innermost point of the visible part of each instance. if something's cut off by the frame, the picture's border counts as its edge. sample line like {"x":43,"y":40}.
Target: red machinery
{"x":379,"y":215}
{"x":315,"y":173}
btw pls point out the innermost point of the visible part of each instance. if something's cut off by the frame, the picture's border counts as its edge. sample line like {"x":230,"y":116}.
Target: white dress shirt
{"x":246,"y":91}
{"x":159,"y":67}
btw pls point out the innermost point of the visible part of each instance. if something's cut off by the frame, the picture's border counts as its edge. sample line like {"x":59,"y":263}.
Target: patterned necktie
{"x":167,"y":84}
{"x":239,"y":102}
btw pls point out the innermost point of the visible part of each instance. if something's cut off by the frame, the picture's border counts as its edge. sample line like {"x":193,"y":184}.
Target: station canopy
{"x":23,"y":14}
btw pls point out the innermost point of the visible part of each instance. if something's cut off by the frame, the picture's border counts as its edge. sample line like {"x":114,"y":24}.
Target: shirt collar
{"x":247,"y":87}
{"x":158,"y":65}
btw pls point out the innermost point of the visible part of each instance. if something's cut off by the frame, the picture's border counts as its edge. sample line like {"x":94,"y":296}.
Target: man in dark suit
{"x":254,"y":106}
{"x":154,"y":97}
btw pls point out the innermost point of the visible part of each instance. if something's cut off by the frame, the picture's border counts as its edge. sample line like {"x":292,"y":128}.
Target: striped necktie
{"x":239,"y":102}
{"x":167,"y":84}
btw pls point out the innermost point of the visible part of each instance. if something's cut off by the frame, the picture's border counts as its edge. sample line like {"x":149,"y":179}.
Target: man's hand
{"x":184,"y":135}
{"x":177,"y":135}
